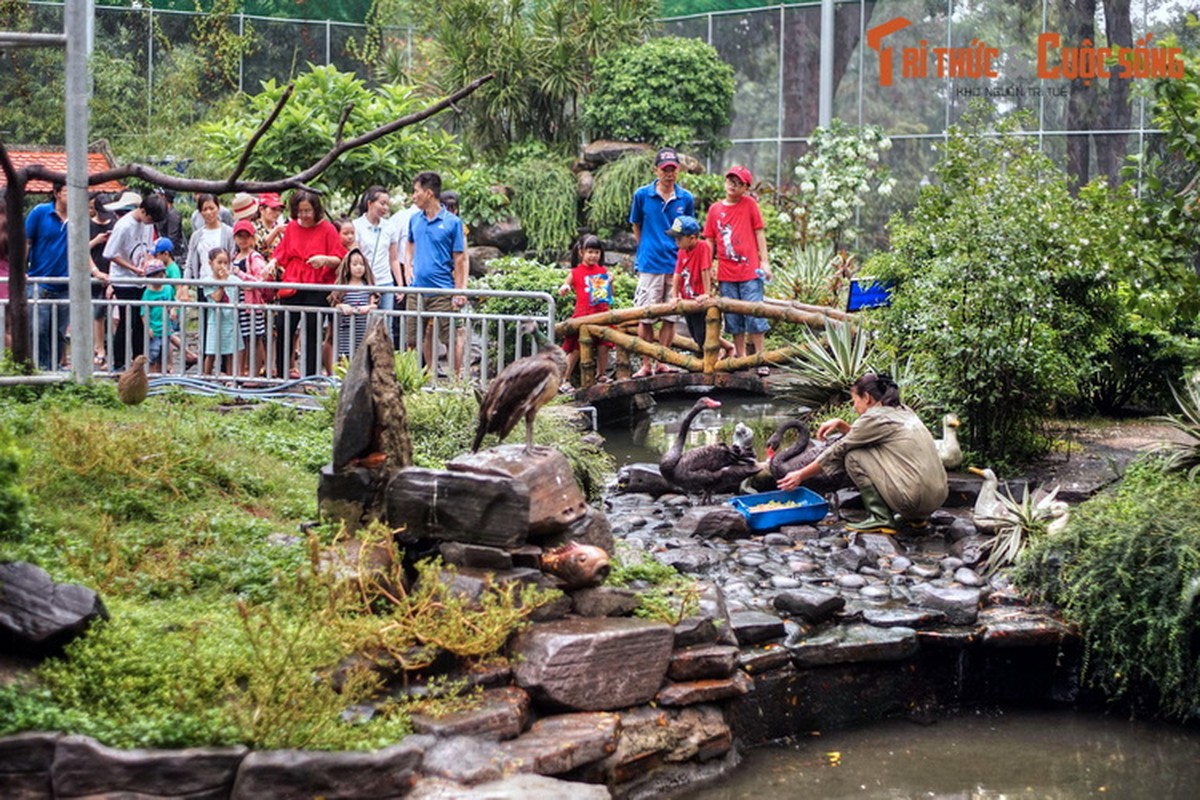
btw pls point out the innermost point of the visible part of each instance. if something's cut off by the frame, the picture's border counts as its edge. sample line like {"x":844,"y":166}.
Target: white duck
{"x":947,"y":446}
{"x":989,"y":513}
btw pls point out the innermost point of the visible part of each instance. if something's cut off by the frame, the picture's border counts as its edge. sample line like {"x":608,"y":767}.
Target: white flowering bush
{"x":835,"y":177}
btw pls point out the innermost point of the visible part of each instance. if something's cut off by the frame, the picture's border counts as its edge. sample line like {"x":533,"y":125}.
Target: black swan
{"x":521,"y":388}
{"x":709,"y":468}
{"x":800,"y":453}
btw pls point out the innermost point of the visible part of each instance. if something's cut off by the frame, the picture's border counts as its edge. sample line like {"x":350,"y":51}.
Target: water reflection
{"x":1022,"y":754}
{"x":646,"y":437}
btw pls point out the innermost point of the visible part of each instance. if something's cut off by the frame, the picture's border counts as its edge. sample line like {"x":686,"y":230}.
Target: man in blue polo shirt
{"x":655,"y":206}
{"x":46,"y":237}
{"x":435,"y":258}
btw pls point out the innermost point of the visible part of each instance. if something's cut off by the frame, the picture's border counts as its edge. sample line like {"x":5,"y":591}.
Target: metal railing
{"x":239,"y":342}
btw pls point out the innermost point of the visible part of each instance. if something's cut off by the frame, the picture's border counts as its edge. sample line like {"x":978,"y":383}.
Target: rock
{"x":811,"y":605}
{"x":620,"y":242}
{"x":707,"y":522}
{"x":925,"y":572}
{"x":800,"y":533}
{"x":478,"y":258}
{"x":38,"y":616}
{"x":559,"y":744}
{"x":693,"y":631}
{"x":875,"y":591}
{"x":474,"y":555}
{"x":971,"y":549}
{"x":967,"y":577}
{"x":692,"y":560}
{"x":507,"y":235}
{"x":25,"y":763}
{"x":514,"y":787}
{"x":643,"y":479}
{"x":702,"y":662}
{"x":605,"y":601}
{"x":470,"y":584}
{"x":593,"y":664}
{"x":902,"y":617}
{"x":465,"y":759}
{"x":592,"y":528}
{"x":708,"y":691}
{"x":712,"y":606}
{"x":752,"y":627}
{"x":354,"y":422}
{"x":605,"y":151}
{"x":371,"y":417}
{"x":877,"y":544}
{"x":502,"y":713}
{"x":303,"y":774}
{"x":1009,"y":627}
{"x":587,"y":182}
{"x":754,"y":660}
{"x":652,"y":737}
{"x":353,"y":495}
{"x":850,"y":581}
{"x":960,"y":605}
{"x":855,"y":643}
{"x":346,"y":562}
{"x":555,"y":500}
{"x":456,"y":506}
{"x":961,"y":528}
{"x":84,"y":767}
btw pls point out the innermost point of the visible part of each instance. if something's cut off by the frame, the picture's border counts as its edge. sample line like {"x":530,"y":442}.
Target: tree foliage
{"x":310,"y":122}
{"x":540,"y":52}
{"x":1002,"y":293}
{"x":667,"y":91}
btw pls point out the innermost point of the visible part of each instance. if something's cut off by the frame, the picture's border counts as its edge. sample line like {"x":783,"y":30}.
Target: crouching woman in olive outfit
{"x":888,"y":453}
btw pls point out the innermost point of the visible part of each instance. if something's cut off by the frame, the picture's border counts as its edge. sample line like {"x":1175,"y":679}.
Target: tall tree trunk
{"x":1116,"y":111}
{"x":1079,"y":23}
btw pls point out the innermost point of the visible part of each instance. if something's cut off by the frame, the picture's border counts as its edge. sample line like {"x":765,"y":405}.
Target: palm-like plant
{"x":1184,"y":456}
{"x":1025,"y":519}
{"x":827,"y":365}
{"x":806,"y":275}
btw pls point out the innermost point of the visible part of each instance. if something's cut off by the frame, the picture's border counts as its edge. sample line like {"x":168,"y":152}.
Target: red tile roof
{"x":55,"y":158}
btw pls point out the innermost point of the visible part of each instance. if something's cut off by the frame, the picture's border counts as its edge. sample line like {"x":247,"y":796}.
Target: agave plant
{"x":1024,"y":519}
{"x":1184,"y":456}
{"x":827,"y":365}
{"x":807,"y":276}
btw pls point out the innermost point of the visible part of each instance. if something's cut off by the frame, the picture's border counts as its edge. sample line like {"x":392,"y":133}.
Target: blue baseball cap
{"x":684,"y":226}
{"x":163,"y":245}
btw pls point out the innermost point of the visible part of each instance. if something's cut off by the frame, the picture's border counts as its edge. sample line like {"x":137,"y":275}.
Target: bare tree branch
{"x":262,"y":129}
{"x":298,"y":181}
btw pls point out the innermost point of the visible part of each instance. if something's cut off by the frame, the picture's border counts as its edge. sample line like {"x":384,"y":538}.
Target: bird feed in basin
{"x":771,"y":510}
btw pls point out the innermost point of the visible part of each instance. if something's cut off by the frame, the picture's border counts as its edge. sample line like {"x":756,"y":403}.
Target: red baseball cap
{"x":741,"y":173}
{"x":270,"y":200}
{"x":243,"y":226}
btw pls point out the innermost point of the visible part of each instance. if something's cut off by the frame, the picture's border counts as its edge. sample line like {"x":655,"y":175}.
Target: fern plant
{"x":546,"y":199}
{"x":612,"y":192}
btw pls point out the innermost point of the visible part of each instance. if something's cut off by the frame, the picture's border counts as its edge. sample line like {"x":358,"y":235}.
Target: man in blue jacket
{"x":46,"y":237}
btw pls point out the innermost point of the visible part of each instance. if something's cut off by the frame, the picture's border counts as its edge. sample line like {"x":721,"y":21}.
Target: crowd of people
{"x":240,"y":254}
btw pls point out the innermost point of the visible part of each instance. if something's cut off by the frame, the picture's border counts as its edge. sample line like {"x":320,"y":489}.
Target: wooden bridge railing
{"x":595,"y":328}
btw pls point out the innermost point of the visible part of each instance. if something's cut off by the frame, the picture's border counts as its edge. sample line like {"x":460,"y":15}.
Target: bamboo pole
{"x":762,"y":309}
{"x":644,"y":348}
{"x":712,"y":339}
{"x":587,"y":358}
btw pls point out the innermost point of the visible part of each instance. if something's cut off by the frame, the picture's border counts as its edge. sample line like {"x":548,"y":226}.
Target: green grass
{"x":184,"y":515}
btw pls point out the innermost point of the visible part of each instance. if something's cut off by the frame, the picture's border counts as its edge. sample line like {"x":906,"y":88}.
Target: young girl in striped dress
{"x":354,"y":302}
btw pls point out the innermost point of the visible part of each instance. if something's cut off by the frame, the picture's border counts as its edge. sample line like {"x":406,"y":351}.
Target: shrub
{"x":667,"y":91}
{"x":1126,"y":571}
{"x":546,"y":200}
{"x":612,"y":192}
{"x":14,"y":501}
{"x":1001,"y":297}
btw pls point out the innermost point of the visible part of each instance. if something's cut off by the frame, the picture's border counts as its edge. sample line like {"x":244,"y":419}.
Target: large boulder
{"x":85,"y":768}
{"x":458,"y":506}
{"x":507,"y":235}
{"x":555,"y":501}
{"x":593,"y":664}
{"x":304,"y":774}
{"x":39,"y":616}
{"x":605,"y":151}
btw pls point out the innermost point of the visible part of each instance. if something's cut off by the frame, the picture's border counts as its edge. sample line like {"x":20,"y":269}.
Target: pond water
{"x":646,"y":437}
{"x":977,"y":756}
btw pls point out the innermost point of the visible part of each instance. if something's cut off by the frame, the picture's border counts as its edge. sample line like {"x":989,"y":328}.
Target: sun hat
{"x":666,"y":157}
{"x":163,"y":245}
{"x":154,"y":266}
{"x":741,"y":173}
{"x":128,"y":201}
{"x":684,"y":226}
{"x":243,"y":205}
{"x":270,"y":200}
{"x":243,"y":226}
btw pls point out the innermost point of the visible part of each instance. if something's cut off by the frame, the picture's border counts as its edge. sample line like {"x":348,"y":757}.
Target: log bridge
{"x":697,"y":363}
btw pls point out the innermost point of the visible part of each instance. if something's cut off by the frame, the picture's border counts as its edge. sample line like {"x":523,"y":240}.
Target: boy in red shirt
{"x":734,"y":228}
{"x":693,"y":273}
{"x":593,"y":294}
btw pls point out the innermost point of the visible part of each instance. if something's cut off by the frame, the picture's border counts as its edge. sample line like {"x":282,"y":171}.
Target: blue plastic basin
{"x":810,"y":507}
